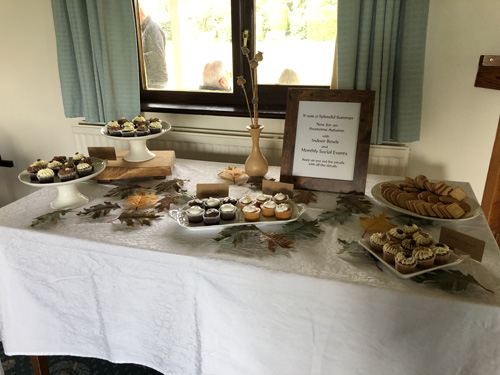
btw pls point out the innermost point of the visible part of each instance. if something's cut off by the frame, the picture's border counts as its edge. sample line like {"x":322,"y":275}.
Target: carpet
{"x":65,"y":365}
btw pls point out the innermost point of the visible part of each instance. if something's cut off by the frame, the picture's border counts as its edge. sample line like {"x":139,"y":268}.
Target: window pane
{"x":198,"y":50}
{"x":298,"y":41}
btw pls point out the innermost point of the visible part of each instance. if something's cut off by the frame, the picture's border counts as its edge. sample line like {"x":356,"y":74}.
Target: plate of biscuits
{"x":432,"y":200}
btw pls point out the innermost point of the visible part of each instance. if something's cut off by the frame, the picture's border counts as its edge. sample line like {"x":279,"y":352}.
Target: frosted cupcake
{"x":128,"y":130}
{"x":67,"y":174}
{"x":55,"y":166}
{"x":283,"y":211}
{"x":138,"y":119}
{"x":33,"y":170}
{"x":195,"y":214}
{"x":390,"y":250}
{"x":45,"y":175}
{"x":261,"y":198}
{"x":408,"y":244}
{"x":212,"y":203}
{"x":77,"y":157}
{"x":114,"y":129}
{"x":422,"y":238}
{"x":268,"y":208}
{"x":378,"y":240}
{"x":227,"y":211}
{"x":142,"y":130}
{"x":442,"y":253}
{"x":155,"y":127}
{"x":424,"y":256}
{"x":251,"y":213}
{"x":404,"y":264}
{"x":396,"y":234}
{"x":83,"y":169}
{"x":245,"y":200}
{"x":280,"y":198}
{"x":211,"y":216}
{"x":41,"y":163}
{"x":410,"y":230}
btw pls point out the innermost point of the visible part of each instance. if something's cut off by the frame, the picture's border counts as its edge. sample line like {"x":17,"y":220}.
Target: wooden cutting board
{"x":160,"y":166}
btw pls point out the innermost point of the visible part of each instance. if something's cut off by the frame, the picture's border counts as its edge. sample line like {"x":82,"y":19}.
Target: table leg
{"x":40,"y":365}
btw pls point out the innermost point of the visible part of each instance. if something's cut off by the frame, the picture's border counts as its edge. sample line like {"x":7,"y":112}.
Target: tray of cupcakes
{"x":229,"y":211}
{"x":137,"y":127}
{"x":408,"y":251}
{"x":61,"y":170}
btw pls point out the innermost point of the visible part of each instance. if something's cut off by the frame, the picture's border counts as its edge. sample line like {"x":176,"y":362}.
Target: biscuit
{"x":430,"y":211}
{"x":458,"y":193}
{"x":420,"y":181}
{"x":447,"y":199}
{"x":420,"y":207}
{"x":455,"y":210}
{"x":445,"y":212}
{"x":436,"y":209}
{"x":433,"y":198}
{"x":465,"y":206}
{"x":429,"y":186}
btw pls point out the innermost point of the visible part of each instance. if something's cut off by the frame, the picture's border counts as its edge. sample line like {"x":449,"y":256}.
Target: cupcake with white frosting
{"x":45,"y":175}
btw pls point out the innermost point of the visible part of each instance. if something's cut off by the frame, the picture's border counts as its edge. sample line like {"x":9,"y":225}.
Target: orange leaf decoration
{"x":376,"y":223}
{"x":234,"y":175}
{"x":141,"y":200}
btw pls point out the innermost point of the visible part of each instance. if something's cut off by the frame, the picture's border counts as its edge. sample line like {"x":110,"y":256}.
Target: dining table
{"x":217,"y":299}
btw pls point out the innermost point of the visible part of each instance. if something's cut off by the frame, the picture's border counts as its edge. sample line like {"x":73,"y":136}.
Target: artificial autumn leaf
{"x":449,"y":280}
{"x":357,"y":203}
{"x":303,"y":228}
{"x":141,"y":217}
{"x":53,"y":217}
{"x":167,"y":201}
{"x":124,"y":191}
{"x":350,"y":246}
{"x":234,"y":175}
{"x":274,"y":240}
{"x":305,"y":196}
{"x":175,"y":184}
{"x":238,"y":234}
{"x":99,"y":209}
{"x":339,"y":215}
{"x":141,"y":200}
{"x":376,"y":223}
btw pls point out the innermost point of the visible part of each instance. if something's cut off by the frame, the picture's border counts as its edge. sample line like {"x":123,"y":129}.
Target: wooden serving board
{"x":158,"y":167}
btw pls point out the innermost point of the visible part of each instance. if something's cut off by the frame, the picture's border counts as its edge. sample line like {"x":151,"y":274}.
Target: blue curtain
{"x":97,"y":58}
{"x":381,"y":47}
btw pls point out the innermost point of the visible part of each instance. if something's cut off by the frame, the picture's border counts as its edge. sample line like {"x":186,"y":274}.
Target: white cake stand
{"x":68,"y":194}
{"x":138,"y":150}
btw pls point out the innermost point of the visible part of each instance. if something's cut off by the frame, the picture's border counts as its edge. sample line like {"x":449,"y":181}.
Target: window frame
{"x":272,"y":98}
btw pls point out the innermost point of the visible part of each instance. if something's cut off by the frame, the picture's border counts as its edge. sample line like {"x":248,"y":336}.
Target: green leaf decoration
{"x":418,"y":221}
{"x":303,"y":228}
{"x":449,"y":280}
{"x":99,"y":210}
{"x":176,"y":184}
{"x":237,"y":234}
{"x":337,"y":216}
{"x":356,"y":203}
{"x":140,"y":217}
{"x":305,"y":196}
{"x":274,"y":240}
{"x":351,"y":247}
{"x":167,"y":201}
{"x":52,"y":217}
{"x":123,"y":191}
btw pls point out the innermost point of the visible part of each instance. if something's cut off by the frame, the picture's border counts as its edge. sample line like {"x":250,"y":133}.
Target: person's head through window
{"x":215,"y":76}
{"x":289,"y":77}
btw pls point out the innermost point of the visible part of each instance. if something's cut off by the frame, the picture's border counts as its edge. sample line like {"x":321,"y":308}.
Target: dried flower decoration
{"x":241,"y":81}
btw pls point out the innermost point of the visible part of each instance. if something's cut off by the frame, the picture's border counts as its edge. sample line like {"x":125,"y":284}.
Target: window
{"x":197,"y":69}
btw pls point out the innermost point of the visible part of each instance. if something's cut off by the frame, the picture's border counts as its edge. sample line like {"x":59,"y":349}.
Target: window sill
{"x":275,"y":112}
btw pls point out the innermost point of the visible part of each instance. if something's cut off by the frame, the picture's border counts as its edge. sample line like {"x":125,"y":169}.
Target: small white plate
{"x":475,"y":208}
{"x":453,"y":260}
{"x":180,"y":217}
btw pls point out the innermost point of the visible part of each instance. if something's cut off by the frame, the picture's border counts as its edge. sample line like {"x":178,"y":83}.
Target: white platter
{"x":180,"y":217}
{"x":453,"y":260}
{"x":475,"y":208}
{"x":138,"y":150}
{"x":68,"y":194}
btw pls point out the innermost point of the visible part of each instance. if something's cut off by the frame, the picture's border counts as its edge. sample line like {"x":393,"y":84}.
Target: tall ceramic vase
{"x":256,"y":164}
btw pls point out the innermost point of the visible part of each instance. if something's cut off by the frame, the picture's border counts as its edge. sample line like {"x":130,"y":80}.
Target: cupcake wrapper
{"x":442,"y":259}
{"x":228,"y":215}
{"x":425,"y":264}
{"x":405,"y":269}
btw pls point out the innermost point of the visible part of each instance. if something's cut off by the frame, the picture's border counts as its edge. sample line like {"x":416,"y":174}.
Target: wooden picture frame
{"x":327,"y":148}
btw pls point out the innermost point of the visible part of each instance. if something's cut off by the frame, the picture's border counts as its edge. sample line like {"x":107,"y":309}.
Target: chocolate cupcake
{"x":60,"y":158}
{"x":227,"y":211}
{"x":155,"y":127}
{"x":212,"y":203}
{"x":67,"y":174}
{"x":77,"y":157}
{"x":33,"y":170}
{"x":45,"y":175}
{"x":55,"y":166}
{"x":114,"y":129}
{"x":83,"y":169}
{"x":231,"y":200}
{"x":195,"y":214}
{"x":211,"y":216}
{"x":196,"y":202}
{"x":122,"y":121}
{"x":142,"y":130}
{"x":403,"y":264}
{"x":128,"y":130}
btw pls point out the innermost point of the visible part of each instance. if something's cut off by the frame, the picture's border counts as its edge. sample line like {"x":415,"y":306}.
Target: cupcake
{"x":280,"y":198}
{"x":83,"y":169}
{"x":442,"y":253}
{"x":410,"y":230}
{"x":283,"y":211}
{"x":404,"y":264}
{"x":114,"y":129}
{"x":60,"y":158}
{"x":195,"y":214}
{"x":122,"y":121}
{"x":422,"y":238}
{"x":68,"y":164}
{"x":154,"y":119}
{"x":142,"y":130}
{"x":378,"y":240}
{"x":245,"y":201}
{"x":251,"y":213}
{"x":396,"y":234}
{"x":227,"y":211}
{"x":138,"y":119}
{"x":390,"y":250}
{"x":408,"y":245}
{"x":231,"y":200}
{"x":211,"y":216}
{"x":33,"y":170}
{"x":424,"y":256}
{"x":268,"y":208}
{"x":45,"y":175}
{"x":77,"y":157}
{"x":212,"y":203}
{"x":195,"y":202}
{"x":128,"y":129}
{"x":155,"y":127}
{"x":261,"y":198}
{"x":67,"y":174}
{"x":41,"y":163}
{"x":55,"y":166}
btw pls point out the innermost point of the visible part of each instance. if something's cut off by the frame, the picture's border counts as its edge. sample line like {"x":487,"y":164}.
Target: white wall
{"x":459,"y":121}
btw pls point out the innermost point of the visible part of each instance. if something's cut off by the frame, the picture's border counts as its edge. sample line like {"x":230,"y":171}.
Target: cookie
{"x":458,"y":193}
{"x":455,"y":210}
{"x":420,"y":181}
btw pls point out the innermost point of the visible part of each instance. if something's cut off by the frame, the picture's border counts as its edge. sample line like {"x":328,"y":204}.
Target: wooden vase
{"x":256,"y":164}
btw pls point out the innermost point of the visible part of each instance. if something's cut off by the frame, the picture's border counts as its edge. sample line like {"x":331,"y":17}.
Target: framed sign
{"x":327,"y":139}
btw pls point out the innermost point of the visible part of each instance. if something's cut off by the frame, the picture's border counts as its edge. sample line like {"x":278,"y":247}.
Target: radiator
{"x":233,"y":147}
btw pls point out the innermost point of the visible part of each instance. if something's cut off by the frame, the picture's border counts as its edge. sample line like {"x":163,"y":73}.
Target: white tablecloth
{"x":176,"y":300}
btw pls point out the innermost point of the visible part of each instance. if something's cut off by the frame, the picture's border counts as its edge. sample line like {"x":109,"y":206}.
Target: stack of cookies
{"x":433,"y":199}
